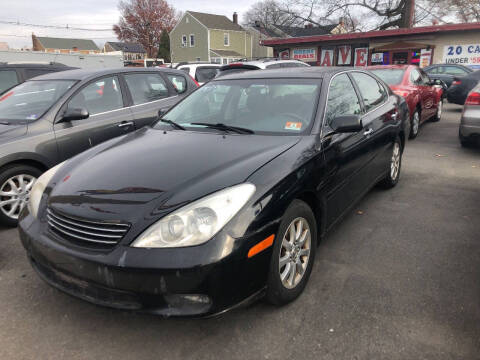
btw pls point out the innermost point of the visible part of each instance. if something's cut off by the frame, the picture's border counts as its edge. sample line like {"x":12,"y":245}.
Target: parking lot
{"x":399,"y":278}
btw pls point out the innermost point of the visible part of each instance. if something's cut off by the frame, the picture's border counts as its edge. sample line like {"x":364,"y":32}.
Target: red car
{"x":423,"y":95}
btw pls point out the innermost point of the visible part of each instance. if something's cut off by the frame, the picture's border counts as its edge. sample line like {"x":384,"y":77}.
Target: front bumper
{"x":169,"y":282}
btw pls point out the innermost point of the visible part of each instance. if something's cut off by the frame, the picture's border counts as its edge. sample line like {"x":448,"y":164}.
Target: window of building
{"x":192,"y":40}
{"x":224,"y":61}
{"x":184,"y":40}
{"x":226,"y":39}
{"x":197,"y":59}
{"x":187,"y":20}
{"x":342,"y":99}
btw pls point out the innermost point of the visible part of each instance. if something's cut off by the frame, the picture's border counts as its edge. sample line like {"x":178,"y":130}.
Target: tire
{"x":438,"y":115}
{"x":394,"y":166}
{"x":13,"y":195}
{"x":465,"y":141}
{"x":282,"y":292}
{"x":414,"y":125}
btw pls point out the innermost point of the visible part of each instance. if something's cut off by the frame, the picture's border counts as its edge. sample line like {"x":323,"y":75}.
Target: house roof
{"x":127,"y":47}
{"x":212,"y":21}
{"x":65,"y":43}
{"x":376,"y":34}
{"x":306,"y":31}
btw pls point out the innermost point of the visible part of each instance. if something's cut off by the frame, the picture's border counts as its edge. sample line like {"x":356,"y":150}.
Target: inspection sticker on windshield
{"x":297,"y":126}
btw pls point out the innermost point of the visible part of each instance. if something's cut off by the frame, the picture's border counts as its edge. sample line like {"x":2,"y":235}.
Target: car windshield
{"x":390,"y":76}
{"x":268,"y":106}
{"x":30,"y":100}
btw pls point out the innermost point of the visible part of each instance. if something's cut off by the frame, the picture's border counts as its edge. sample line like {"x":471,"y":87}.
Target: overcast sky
{"x":91,"y":14}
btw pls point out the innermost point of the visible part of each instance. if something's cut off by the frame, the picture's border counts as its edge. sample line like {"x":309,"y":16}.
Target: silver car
{"x":469,"y":131}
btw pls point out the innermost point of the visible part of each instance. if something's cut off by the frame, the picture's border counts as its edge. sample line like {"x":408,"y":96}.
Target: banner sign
{"x":425,"y":57}
{"x":305,"y":54}
{"x":344,"y":55}
{"x":326,"y":58}
{"x":377,"y":58}
{"x":361,"y":56}
{"x":284,"y":54}
{"x":462,"y":54}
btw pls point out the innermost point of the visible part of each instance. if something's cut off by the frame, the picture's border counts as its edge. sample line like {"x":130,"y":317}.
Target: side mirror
{"x":75,"y":114}
{"x":347,"y":124}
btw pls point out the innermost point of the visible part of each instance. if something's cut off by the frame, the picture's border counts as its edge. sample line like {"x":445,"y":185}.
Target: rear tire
{"x":16,"y":182}
{"x":438,"y":115}
{"x":289,"y":252}
{"x":394,"y":166}
{"x":414,"y":125}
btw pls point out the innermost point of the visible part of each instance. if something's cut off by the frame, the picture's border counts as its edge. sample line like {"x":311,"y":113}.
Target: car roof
{"x":306,"y":72}
{"x":86,"y":74}
{"x":35,"y":65}
{"x":376,"y":67}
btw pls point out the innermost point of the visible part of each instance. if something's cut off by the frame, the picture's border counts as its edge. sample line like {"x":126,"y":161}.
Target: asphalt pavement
{"x":399,"y":278}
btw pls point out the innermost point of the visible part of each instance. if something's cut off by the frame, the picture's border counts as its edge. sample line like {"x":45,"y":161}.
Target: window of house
{"x":192,"y":40}
{"x":226,"y":39}
{"x":184,"y":40}
{"x":224,"y":61}
{"x":100,"y":96}
{"x":187,"y":20}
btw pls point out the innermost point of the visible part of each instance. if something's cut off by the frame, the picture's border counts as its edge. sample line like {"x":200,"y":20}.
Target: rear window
{"x":236,"y":69}
{"x":390,"y":76}
{"x":8,"y":78}
{"x":205,"y":74}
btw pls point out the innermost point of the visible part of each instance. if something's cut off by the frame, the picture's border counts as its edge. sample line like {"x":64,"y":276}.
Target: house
{"x":260,"y":33}
{"x":64,"y":45}
{"x":207,"y":37}
{"x":129,"y":51}
{"x":4,"y":46}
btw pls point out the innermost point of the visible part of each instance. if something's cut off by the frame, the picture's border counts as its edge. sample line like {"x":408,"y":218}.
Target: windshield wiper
{"x":238,"y":130}
{"x":173,"y":123}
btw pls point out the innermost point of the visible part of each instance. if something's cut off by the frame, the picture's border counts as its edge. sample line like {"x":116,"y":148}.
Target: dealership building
{"x":423,"y":46}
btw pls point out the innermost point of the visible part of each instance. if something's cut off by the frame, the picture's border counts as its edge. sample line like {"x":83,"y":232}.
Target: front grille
{"x":86,"y":231}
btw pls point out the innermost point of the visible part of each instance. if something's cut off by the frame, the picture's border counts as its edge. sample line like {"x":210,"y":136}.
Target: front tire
{"x":414,"y":125}
{"x":16,"y":181}
{"x":395,"y":165}
{"x":293,"y":254}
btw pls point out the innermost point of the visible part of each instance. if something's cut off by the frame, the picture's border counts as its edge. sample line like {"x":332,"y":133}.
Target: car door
{"x":427,"y":96}
{"x":150,"y":93}
{"x":346,"y":155}
{"x":381,"y":114}
{"x":108,"y":117}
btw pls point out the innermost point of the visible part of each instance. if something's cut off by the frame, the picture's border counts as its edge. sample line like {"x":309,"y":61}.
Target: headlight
{"x":197,"y":222}
{"x":38,"y":189}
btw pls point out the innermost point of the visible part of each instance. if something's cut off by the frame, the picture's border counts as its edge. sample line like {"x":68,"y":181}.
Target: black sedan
{"x":461,"y":87}
{"x":223,"y":200}
{"x":53,"y":117}
{"x":447,"y":72}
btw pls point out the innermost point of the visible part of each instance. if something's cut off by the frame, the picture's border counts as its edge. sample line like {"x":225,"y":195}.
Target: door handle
{"x":368,"y":132}
{"x":125,"y":124}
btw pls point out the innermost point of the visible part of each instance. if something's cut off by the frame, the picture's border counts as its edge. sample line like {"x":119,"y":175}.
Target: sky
{"x":91,"y":14}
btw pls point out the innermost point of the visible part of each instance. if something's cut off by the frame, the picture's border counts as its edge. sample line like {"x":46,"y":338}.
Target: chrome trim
{"x":88,"y":221}
{"x":81,"y":237}
{"x":58,"y":222}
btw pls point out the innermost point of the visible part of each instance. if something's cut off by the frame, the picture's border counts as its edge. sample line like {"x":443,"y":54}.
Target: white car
{"x":201,"y":72}
{"x":260,"y":64}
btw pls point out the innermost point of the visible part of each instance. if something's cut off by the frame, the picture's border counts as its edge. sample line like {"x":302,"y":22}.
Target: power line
{"x":65,"y":27}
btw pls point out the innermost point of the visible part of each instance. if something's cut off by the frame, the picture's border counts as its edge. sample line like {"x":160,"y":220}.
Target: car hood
{"x":149,"y":173}
{"x":12,"y":131}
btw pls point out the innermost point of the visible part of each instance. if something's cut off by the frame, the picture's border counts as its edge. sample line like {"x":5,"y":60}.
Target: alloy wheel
{"x":294,"y":253}
{"x":439,"y":109}
{"x":415,"y":122}
{"x":395,"y":164}
{"x":15,"y":194}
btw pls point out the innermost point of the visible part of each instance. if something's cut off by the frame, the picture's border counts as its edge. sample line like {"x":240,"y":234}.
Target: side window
{"x":146,"y":87}
{"x":425,"y":78}
{"x":453,"y":70}
{"x":342,"y":99}
{"x":8,"y":78}
{"x":273,"y":66}
{"x":204,"y":74}
{"x":372,"y":92}
{"x":100,"y":96}
{"x":30,"y":73}
{"x":416,"y":77}
{"x":186,"y":69}
{"x":179,"y":82}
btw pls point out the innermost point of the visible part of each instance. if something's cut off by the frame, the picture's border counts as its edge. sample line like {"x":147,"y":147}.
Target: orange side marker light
{"x":262,"y":245}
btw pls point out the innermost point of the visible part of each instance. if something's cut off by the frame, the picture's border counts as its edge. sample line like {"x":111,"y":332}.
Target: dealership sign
{"x":326,"y":58}
{"x":377,"y":58}
{"x":305,"y":54}
{"x":344,"y":55}
{"x":462,"y":54}
{"x":361,"y":56}
{"x":285,"y":54}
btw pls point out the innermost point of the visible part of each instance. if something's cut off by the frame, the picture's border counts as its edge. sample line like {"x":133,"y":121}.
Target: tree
{"x":268,"y":13}
{"x":145,"y":21}
{"x":164,"y":47}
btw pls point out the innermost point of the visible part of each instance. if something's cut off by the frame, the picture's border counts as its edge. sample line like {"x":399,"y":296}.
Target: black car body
{"x":53,"y":117}
{"x":446,"y":72}
{"x":12,"y":74}
{"x":457,"y":93}
{"x":320,"y":168}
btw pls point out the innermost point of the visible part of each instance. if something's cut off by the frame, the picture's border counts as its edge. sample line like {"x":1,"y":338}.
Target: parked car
{"x":222,"y":201}
{"x":201,"y":72}
{"x":447,"y":73}
{"x":53,"y":117}
{"x":469,"y":131}
{"x":423,"y":95}
{"x":12,"y":74}
{"x":260,"y":64}
{"x":461,"y":87}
